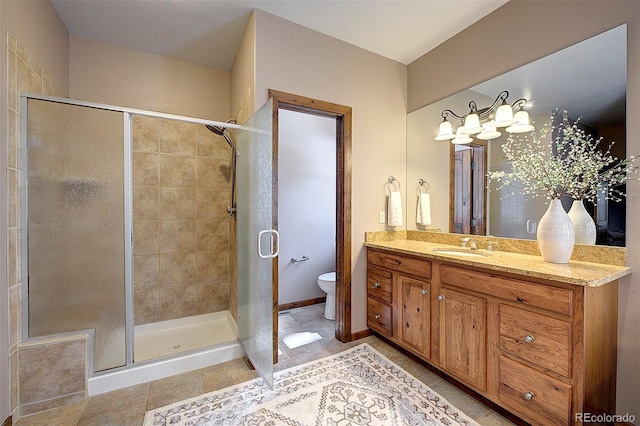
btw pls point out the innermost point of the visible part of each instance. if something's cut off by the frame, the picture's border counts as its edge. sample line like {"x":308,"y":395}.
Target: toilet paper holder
{"x":300,"y":259}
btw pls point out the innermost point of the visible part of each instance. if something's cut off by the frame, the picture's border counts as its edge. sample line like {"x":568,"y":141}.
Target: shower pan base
{"x":173,"y":347}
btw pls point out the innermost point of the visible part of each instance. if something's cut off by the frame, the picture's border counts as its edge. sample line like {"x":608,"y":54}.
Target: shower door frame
{"x":128,"y":210}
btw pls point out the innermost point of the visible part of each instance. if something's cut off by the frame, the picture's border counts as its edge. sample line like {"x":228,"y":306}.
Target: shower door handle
{"x":274,"y":242}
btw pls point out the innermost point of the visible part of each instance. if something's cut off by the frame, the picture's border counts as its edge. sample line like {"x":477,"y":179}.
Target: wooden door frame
{"x":342,"y":115}
{"x":483,"y":145}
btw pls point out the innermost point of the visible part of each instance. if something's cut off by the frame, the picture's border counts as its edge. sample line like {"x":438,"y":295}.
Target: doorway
{"x":467,"y":174}
{"x":342,"y":116}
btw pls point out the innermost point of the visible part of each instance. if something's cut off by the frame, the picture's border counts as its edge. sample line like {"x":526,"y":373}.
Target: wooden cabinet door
{"x":463,"y":335}
{"x":415,"y":315}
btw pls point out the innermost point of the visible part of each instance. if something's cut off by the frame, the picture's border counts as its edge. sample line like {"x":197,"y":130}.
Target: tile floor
{"x":126,"y":407}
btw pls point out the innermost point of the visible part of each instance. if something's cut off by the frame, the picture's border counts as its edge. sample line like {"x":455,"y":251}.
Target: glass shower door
{"x":257,"y":243}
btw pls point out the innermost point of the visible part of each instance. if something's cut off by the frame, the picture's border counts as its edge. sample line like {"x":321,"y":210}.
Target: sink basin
{"x":461,"y":252}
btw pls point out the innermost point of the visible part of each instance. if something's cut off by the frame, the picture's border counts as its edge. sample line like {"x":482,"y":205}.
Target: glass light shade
{"x":504,"y":116}
{"x":461,"y":137}
{"x":472,"y":124}
{"x":445,"y":131}
{"x":488,"y":132}
{"x":522,"y":125}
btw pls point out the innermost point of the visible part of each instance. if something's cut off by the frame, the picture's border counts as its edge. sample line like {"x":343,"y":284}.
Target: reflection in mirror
{"x":587,"y":79}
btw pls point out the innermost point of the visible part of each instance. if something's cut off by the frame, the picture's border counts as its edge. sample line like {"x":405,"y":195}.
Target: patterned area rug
{"x":356,"y":387}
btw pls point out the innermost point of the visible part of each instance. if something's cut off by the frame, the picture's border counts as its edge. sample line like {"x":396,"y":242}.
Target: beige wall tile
{"x":212,"y":204}
{"x":212,"y":145}
{"x":13,"y":150}
{"x":13,"y":179}
{"x":212,"y":267}
{"x":51,"y":370}
{"x":145,"y":133}
{"x":145,"y":202}
{"x":212,"y":235}
{"x":145,"y":237}
{"x":28,"y":80}
{"x":15,"y":313}
{"x":12,"y":81}
{"x":177,"y":269}
{"x":177,"y":203}
{"x":177,"y":236}
{"x":28,"y":59}
{"x":145,"y":169}
{"x":177,"y":171}
{"x":212,"y":173}
{"x":146,"y":270}
{"x":14,"y":378}
{"x":177,"y":302}
{"x":213,"y":297}
{"x":147,"y":306}
{"x":177,"y":137}
{"x":12,"y":257}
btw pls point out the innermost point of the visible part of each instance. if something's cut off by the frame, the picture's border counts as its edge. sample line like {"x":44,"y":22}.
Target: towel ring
{"x":390,"y":182}
{"x":423,"y":184}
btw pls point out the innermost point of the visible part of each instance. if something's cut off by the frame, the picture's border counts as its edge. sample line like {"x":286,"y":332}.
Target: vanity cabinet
{"x":463,"y":336}
{"x":542,"y":349}
{"x":415,"y":315}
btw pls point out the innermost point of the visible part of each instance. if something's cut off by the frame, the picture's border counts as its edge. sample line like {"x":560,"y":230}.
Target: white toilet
{"x":327,"y":283}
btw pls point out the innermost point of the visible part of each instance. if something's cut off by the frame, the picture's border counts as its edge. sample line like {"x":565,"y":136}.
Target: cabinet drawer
{"x":379,"y":316}
{"x":379,"y":285}
{"x":536,"y":338}
{"x":528,"y":294}
{"x":538,"y":398}
{"x":409,"y":265}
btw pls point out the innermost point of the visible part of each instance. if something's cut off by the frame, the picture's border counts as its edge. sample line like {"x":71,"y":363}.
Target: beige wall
{"x":243,"y":74}
{"x":36,"y":56}
{"x":105,"y":73}
{"x":520,"y":32}
{"x":294,"y":59}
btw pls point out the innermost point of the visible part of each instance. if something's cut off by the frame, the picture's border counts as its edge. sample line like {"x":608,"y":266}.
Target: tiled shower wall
{"x":26,"y":75}
{"x":181,"y":190}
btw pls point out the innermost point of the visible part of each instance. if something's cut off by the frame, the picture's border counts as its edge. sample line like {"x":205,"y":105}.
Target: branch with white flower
{"x":571,"y":164}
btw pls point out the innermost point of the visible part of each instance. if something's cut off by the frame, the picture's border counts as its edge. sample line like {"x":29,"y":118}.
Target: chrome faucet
{"x":469,"y":242}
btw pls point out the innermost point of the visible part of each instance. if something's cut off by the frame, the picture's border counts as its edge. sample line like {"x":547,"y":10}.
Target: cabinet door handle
{"x":529,"y":338}
{"x":528,"y":395}
{"x":377,"y":316}
{"x":425,"y":292}
{"x":376,"y":284}
{"x":441,"y":297}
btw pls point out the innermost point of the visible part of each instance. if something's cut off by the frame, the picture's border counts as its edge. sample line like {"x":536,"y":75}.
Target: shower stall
{"x":130,"y":235}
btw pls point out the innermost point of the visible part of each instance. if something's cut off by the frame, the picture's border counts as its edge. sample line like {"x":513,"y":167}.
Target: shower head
{"x":221,"y":131}
{"x":216,"y":129}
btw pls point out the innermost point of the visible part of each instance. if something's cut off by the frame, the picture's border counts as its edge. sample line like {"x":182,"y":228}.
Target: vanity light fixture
{"x":484,"y":122}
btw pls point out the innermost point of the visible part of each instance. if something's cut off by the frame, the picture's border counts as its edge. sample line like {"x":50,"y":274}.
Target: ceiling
{"x":209,"y":32}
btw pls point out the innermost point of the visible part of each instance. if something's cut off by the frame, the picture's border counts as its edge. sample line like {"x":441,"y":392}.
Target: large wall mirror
{"x":587,"y":79}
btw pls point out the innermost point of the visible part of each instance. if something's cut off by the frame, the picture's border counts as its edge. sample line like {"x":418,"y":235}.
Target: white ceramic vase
{"x":555,"y":234}
{"x":584,"y":227}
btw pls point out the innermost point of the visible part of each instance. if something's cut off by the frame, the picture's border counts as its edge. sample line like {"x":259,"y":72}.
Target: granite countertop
{"x":575,"y":272}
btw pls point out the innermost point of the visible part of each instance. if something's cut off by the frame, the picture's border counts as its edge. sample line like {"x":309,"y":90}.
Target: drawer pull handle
{"x":424,"y":292}
{"x":529,"y":395}
{"x":441,"y":297}
{"x":529,"y":338}
{"x":377,"y":316}
{"x":376,"y":284}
